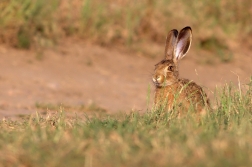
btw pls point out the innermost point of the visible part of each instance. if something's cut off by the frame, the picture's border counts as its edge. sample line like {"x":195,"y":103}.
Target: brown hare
{"x":172,"y":91}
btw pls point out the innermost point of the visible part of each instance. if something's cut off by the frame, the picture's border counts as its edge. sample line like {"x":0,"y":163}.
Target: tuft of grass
{"x":23,"y":39}
{"x":218,"y":48}
{"x":156,"y":138}
{"x":27,"y":22}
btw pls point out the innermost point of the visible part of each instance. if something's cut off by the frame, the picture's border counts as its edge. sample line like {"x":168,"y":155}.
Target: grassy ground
{"x":220,"y":138}
{"x":45,"y":22}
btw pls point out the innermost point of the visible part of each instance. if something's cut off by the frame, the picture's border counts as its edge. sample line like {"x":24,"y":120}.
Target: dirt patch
{"x":81,"y":74}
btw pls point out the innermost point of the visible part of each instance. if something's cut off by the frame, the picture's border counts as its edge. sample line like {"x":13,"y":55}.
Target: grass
{"x":156,"y":138}
{"x":43,"y":23}
{"x":220,"y":50}
{"x":93,"y":107}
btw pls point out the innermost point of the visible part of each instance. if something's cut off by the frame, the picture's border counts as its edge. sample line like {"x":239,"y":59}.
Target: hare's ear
{"x":183,"y":43}
{"x":170,"y":43}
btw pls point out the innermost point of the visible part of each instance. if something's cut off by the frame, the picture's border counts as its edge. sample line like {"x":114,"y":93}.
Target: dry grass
{"x":220,"y":138}
{"x":45,"y":22}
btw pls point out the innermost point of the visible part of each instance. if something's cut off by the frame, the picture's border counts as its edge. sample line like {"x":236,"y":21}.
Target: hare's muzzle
{"x":158,"y":79}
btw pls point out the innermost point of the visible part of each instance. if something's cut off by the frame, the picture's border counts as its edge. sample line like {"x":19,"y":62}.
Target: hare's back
{"x":192,"y":91}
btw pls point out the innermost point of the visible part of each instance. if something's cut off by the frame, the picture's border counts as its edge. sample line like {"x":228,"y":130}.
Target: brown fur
{"x":184,"y":94}
{"x":172,"y":91}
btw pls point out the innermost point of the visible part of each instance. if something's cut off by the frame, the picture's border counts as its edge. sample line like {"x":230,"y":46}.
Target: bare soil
{"x":80,"y":75}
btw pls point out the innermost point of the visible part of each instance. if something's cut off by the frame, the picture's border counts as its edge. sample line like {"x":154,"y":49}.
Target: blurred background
{"x":94,"y":55}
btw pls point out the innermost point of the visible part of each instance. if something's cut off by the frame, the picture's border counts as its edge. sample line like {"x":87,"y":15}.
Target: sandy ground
{"x":81,"y":74}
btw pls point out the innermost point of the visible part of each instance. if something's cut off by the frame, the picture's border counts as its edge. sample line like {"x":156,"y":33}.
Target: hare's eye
{"x":170,"y":68}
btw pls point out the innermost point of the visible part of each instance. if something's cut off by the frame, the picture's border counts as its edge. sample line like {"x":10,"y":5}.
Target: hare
{"x":172,"y":91}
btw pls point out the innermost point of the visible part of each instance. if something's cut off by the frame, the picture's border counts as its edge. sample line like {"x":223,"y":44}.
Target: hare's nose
{"x":157,"y":78}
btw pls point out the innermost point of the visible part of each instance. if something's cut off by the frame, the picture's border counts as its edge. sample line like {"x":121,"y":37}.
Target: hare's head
{"x":177,"y":45}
